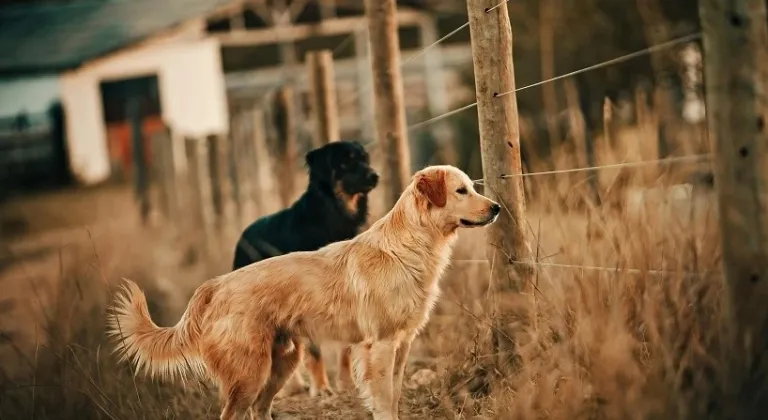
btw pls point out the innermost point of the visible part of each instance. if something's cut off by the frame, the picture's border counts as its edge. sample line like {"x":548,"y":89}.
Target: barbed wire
{"x":646,"y":51}
{"x":662,"y":161}
{"x":593,"y":268}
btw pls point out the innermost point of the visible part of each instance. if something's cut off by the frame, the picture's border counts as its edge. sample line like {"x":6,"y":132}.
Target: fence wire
{"x":646,"y":51}
{"x":654,"y":272}
{"x":663,"y":161}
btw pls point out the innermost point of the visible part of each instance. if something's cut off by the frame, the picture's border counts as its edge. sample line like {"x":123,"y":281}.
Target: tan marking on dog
{"x":350,"y":200}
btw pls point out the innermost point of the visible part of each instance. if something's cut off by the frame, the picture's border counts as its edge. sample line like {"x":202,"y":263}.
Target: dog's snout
{"x":372,"y":177}
{"x":495,"y":208}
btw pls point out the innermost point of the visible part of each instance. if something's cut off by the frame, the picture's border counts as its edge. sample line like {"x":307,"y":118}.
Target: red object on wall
{"x":120,"y":144}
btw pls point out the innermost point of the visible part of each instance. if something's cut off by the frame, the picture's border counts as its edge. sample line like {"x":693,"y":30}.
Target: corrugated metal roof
{"x":48,"y":37}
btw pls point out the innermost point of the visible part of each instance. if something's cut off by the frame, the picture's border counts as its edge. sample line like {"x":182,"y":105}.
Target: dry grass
{"x":603,"y":344}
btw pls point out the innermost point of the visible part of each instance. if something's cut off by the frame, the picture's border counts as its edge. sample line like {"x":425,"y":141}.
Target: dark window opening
{"x":116,"y":94}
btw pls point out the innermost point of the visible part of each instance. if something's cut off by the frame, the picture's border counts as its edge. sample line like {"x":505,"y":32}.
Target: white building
{"x":68,"y":53}
{"x":92,"y":55}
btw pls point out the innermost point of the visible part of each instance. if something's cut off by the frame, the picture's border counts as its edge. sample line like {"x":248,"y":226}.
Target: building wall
{"x":192,"y":95}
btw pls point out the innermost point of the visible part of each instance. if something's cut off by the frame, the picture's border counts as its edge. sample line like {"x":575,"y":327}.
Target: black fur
{"x":320,"y":216}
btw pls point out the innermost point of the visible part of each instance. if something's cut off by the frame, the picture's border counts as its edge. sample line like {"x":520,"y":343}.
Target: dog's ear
{"x":318,"y":158}
{"x":319,"y":165}
{"x":431,"y":184}
{"x":312,"y":157}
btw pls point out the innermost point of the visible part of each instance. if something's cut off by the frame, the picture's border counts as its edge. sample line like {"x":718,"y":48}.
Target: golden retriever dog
{"x":244,"y":330}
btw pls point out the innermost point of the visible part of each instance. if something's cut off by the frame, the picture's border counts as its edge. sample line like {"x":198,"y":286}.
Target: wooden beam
{"x":327,"y":9}
{"x":322,"y":83}
{"x":389,"y":102}
{"x":298,"y":32}
{"x":296,"y":7}
{"x":736,"y":76}
{"x":261,"y":9}
{"x":237,"y":20}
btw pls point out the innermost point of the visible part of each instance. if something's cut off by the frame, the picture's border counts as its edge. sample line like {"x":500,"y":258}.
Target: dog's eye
{"x":462,"y":190}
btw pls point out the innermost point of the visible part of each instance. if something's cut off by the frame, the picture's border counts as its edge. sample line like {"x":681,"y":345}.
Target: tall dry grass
{"x":602,"y":344}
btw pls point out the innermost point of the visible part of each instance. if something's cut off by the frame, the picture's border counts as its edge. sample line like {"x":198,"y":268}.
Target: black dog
{"x":334,"y":208}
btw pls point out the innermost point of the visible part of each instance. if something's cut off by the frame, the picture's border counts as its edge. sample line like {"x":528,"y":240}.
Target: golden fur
{"x":244,"y":330}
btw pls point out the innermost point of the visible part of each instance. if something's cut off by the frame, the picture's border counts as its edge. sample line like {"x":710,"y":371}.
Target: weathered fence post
{"x":240,"y":153}
{"x":217,"y":170}
{"x":364,"y":81}
{"x":139,"y":155}
{"x":437,"y":96}
{"x":199,"y":198}
{"x":286,"y":143}
{"x":263,"y":173}
{"x":547,"y":10}
{"x":736,"y":60}
{"x":389,"y":103}
{"x":165,"y":173}
{"x":322,"y":87}
{"x":508,"y":250}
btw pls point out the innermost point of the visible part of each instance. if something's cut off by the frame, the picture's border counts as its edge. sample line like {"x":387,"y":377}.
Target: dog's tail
{"x":167,"y":352}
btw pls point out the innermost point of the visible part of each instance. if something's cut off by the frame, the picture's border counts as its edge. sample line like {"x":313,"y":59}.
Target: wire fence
{"x":654,"y":272}
{"x":617,"y":60}
{"x":643,"y":52}
{"x":633,"y":164}
{"x":663,"y":161}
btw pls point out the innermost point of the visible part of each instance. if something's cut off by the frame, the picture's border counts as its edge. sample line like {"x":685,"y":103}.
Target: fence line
{"x":669,"y":160}
{"x":490,"y":9}
{"x":592,"y":268}
{"x":623,"y":58}
{"x":649,"y":50}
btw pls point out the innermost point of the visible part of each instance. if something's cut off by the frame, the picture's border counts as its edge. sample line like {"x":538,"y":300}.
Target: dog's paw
{"x":345,"y":384}
{"x":290,"y":391}
{"x":324,"y":391}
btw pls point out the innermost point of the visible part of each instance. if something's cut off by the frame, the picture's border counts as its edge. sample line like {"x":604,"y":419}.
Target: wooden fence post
{"x":508,"y":250}
{"x":389,"y":102}
{"x":165,"y":173}
{"x":199,"y":198}
{"x":240,"y":154}
{"x":322,"y":87}
{"x":364,"y":81}
{"x":437,"y":97}
{"x":736,"y":77}
{"x":139,"y":155}
{"x":262,"y":164}
{"x":217,"y":169}
{"x":547,"y":10}
{"x":286,"y":143}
